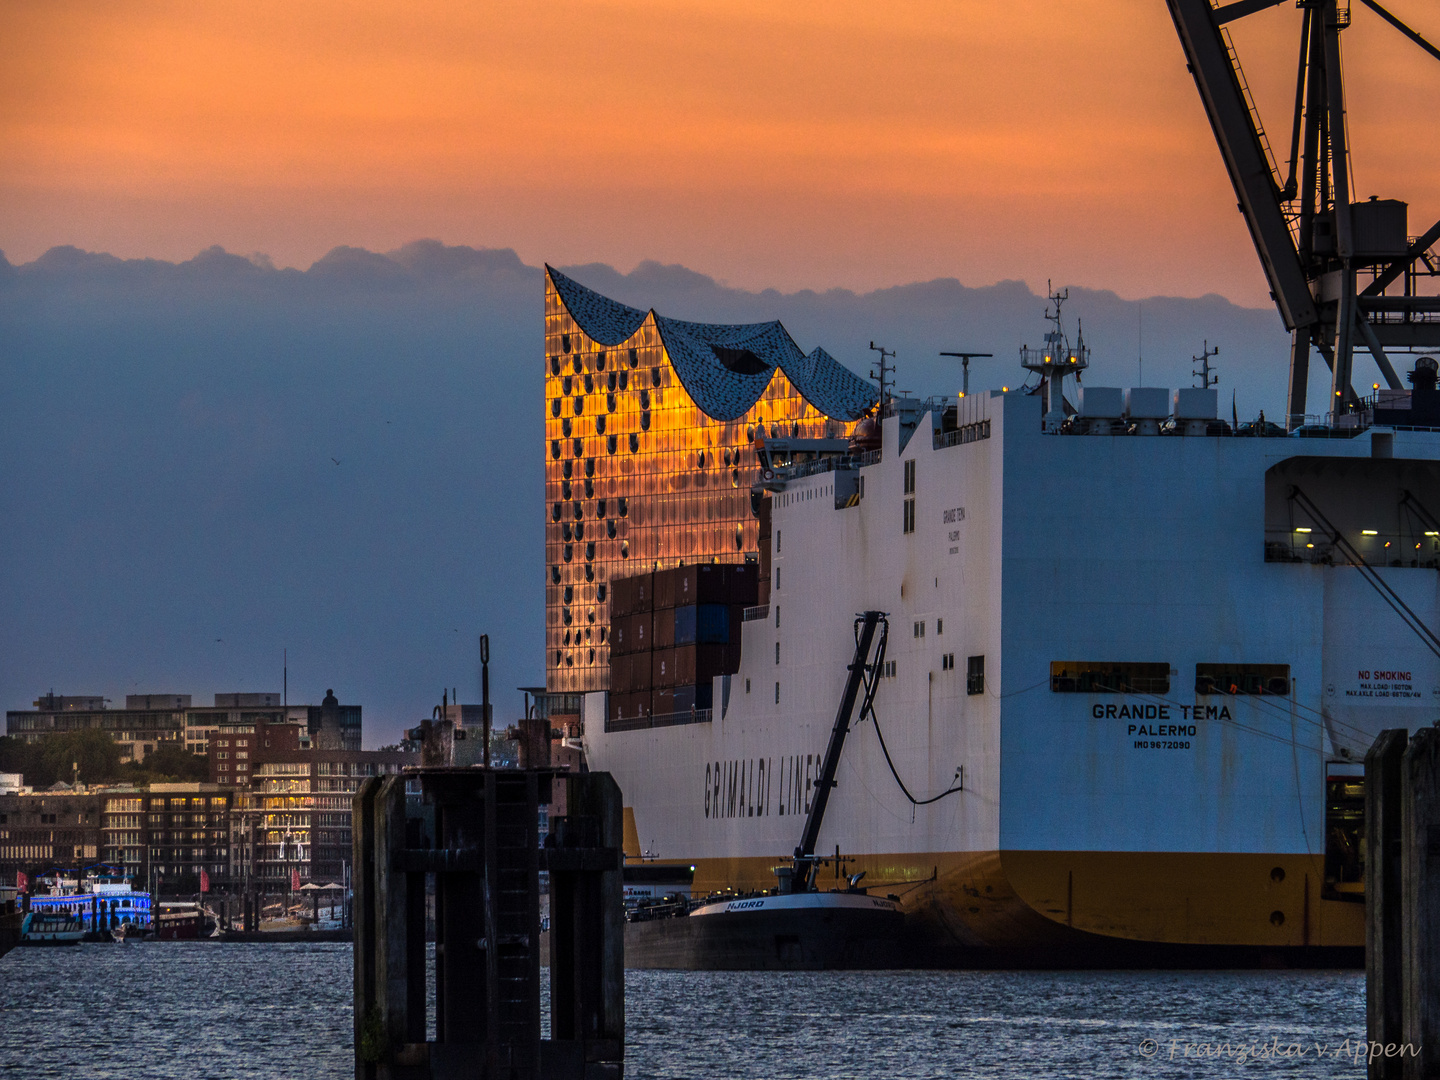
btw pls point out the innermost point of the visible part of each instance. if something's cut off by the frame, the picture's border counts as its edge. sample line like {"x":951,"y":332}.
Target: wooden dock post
{"x":1384,"y":955}
{"x":475,"y":833}
{"x":1420,"y":888}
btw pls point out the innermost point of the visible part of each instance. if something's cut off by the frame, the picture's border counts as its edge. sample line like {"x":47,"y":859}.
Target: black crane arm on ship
{"x":803,"y":872}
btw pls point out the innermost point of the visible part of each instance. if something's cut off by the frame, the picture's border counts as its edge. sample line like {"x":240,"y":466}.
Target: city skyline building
{"x":651,"y":427}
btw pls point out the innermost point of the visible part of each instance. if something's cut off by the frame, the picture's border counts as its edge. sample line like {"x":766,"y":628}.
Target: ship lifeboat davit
{"x":866,"y":436}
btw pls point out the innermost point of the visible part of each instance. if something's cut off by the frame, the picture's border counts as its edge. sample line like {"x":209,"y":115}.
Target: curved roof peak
{"x":724,"y":368}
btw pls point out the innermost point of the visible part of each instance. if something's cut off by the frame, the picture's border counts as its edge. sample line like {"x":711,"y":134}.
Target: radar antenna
{"x":965,"y":358}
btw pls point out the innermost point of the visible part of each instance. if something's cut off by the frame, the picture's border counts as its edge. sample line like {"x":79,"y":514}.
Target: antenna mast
{"x":1207,"y":380}
{"x":884,"y":369}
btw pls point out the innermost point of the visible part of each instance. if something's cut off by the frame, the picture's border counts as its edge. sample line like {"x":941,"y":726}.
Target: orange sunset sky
{"x":788,"y":145}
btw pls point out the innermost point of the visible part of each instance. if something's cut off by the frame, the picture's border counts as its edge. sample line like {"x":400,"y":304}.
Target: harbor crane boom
{"x":1313,"y":238}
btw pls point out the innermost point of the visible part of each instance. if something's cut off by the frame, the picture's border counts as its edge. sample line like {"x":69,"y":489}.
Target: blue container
{"x":712,"y":624}
{"x":685,"y":625}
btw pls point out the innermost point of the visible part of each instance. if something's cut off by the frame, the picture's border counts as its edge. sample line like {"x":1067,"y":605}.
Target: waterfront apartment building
{"x":48,"y":829}
{"x":148,"y":720}
{"x":293,"y":817}
{"x":187,"y":830}
{"x":651,"y":434}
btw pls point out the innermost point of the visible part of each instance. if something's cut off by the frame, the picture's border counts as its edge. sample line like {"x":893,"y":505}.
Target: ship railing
{"x":968,"y":433}
{"x":659,"y":720}
{"x":754,"y":614}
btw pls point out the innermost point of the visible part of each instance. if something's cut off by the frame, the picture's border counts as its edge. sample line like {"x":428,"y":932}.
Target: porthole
{"x":579,"y":531}
{"x":565,"y":488}
{"x":600,"y":425}
{"x":555,"y":575}
{"x":609,"y":402}
{"x":589,"y":617}
{"x":589,"y":384}
{"x":726,"y":456}
{"x":576,"y":364}
{"x":589,"y":489}
{"x":610,"y":444}
{"x":602,"y":632}
{"x":644,"y":420}
{"x":644,"y":399}
{"x":589,"y":466}
{"x":555,"y":449}
{"x":735,"y":478}
{"x":610,"y":529}
{"x":600,"y":508}
{"x":611,"y":382}
{"x":554,"y":365}
{"x":565,"y":614}
{"x":566,"y":385}
{"x":569,"y":593}
{"x":565,"y":427}
{"x":700,"y":459}
{"x":634,"y":443}
{"x":569,"y":660}
{"x":565,"y":342}
{"x":624,"y":380}
{"x":624,"y":505}
{"x":589,"y":573}
{"x":577,"y":510}
{"x":739,"y":537}
{"x":567,"y":637}
{"x":565,"y":468}
{"x":555,"y":512}
{"x":654,"y":376}
{"x":579,"y":405}
{"x":634,"y":358}
{"x":559,"y":656}
{"x":578,"y":447}
{"x":624,"y":549}
{"x":600,"y":360}
{"x":592,"y":656}
{"x":750,"y":433}
{"x":590,"y":551}
{"x":566,"y":531}
{"x":600,"y":595}
{"x":555,"y":406}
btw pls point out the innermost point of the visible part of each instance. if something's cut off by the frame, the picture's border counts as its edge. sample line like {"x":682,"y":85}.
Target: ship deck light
{"x":1432,"y":532}
{"x":1369,"y":532}
{"x":1302,"y":530}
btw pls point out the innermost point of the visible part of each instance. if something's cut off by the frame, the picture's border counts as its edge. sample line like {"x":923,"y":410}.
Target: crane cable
{"x":867,"y":708}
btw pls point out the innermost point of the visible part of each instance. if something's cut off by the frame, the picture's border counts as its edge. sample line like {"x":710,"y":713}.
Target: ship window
{"x":909,"y":514}
{"x":910,"y":477}
{"x":974,"y":673}
{"x":777,"y":693}
{"x":1100,"y":677}
{"x":1242,"y":679}
{"x":939,"y":625}
{"x":777,"y":541}
{"x":777,"y":652}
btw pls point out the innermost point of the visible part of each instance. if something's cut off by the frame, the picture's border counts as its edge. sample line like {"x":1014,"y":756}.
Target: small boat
{"x":180,"y":922}
{"x":52,"y":928}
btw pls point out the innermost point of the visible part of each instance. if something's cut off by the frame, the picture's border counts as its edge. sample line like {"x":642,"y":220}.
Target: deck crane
{"x":1331,"y":262}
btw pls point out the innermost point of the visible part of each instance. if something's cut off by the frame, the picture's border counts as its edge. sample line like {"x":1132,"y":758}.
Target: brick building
{"x":45,"y":830}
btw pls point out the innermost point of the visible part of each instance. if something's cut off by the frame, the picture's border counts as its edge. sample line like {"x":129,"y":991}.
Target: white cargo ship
{"x":1139,"y":658}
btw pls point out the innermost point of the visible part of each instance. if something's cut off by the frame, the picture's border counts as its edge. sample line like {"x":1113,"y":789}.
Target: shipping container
{"x":701,"y":663}
{"x":742,"y":584}
{"x":664,"y":629}
{"x":662,"y":668}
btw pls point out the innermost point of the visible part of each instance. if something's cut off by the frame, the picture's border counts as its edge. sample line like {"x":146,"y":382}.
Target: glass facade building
{"x":650,"y":430}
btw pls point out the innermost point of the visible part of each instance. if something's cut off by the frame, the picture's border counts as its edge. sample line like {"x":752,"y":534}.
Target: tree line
{"x":93,"y":757}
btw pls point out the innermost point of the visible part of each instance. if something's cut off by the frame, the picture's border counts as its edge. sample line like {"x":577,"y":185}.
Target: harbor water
{"x":201,"y":1010}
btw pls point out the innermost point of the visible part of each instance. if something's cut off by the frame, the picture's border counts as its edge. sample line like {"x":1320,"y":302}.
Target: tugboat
{"x":794,"y":926}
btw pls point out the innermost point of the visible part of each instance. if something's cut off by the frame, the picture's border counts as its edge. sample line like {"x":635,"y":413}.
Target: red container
{"x":663,"y":629}
{"x":662,"y":668}
{"x":742,"y":584}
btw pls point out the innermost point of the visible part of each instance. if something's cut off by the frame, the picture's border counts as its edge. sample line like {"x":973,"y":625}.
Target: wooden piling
{"x":1383,"y":931}
{"x":1420,"y":889}
{"x":475,"y":833}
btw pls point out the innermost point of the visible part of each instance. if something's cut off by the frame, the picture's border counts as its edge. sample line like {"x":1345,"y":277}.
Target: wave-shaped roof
{"x":724,"y":369}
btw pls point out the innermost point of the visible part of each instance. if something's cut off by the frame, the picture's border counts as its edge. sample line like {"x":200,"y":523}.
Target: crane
{"x":1331,"y":262}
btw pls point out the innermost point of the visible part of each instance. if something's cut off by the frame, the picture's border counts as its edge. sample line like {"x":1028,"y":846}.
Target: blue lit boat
{"x":106,"y":907}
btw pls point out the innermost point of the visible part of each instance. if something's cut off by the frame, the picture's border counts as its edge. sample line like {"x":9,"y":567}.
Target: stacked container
{"x":672,"y":632}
